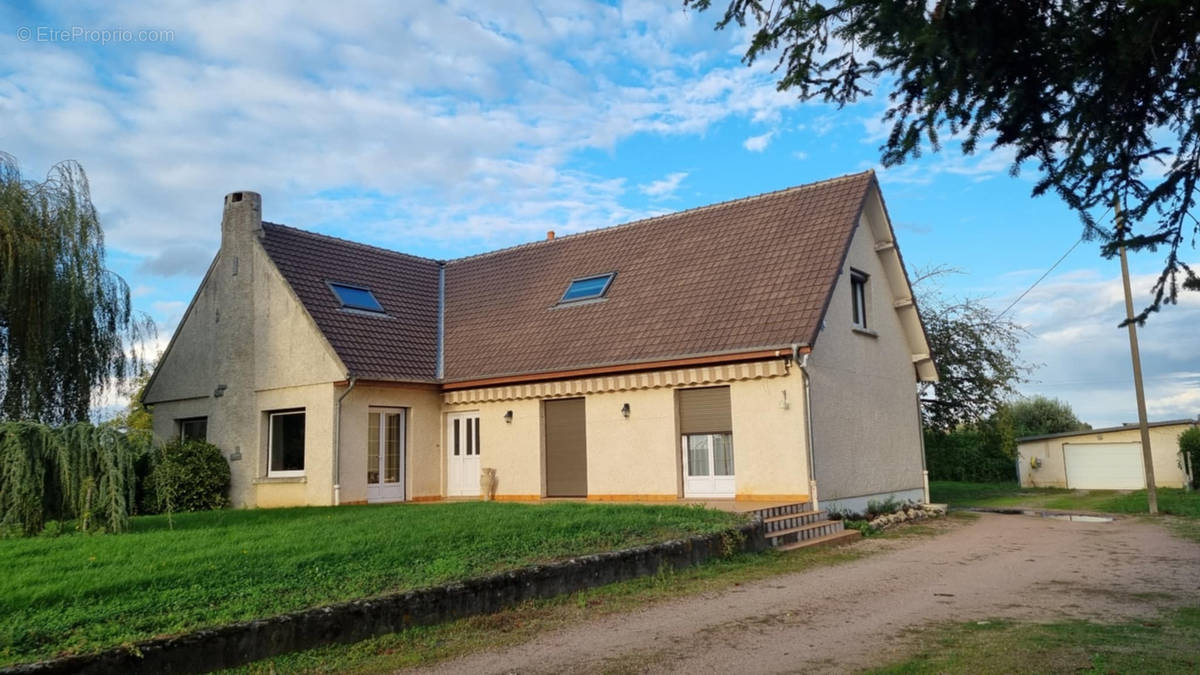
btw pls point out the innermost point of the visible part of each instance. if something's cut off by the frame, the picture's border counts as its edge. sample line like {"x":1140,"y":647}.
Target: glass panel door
{"x":697,"y":447}
{"x":373,"y":449}
{"x":386,"y":432}
{"x":708,"y":466}
{"x":394,"y":426}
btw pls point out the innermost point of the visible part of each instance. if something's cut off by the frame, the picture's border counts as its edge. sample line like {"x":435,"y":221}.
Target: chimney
{"x":550,"y":235}
{"x":242,"y":217}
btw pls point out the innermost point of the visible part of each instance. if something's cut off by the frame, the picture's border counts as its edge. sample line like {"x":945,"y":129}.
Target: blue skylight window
{"x":588,"y":288}
{"x":355,"y":297}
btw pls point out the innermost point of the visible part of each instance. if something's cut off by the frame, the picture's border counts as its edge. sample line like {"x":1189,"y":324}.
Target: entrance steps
{"x":796,"y":525}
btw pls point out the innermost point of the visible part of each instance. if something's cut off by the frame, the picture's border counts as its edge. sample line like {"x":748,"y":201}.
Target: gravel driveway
{"x":852,"y":615}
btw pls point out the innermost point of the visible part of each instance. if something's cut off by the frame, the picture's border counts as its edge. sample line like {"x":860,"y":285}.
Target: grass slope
{"x":1168,"y":645}
{"x":1170,"y":500}
{"x":425,"y":645}
{"x":77,"y":593}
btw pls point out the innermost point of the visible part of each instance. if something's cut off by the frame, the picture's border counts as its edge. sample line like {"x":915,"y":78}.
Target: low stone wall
{"x":238,"y":644}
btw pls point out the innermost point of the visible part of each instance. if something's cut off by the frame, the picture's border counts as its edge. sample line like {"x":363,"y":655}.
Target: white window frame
{"x":858,"y":298}
{"x":181,"y":421}
{"x":293,"y":473}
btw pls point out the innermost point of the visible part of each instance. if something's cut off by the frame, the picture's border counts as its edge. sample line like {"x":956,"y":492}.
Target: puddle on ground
{"x":1074,"y":517}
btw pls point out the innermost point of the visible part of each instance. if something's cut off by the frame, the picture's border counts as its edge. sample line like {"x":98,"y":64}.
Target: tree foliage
{"x":980,"y":452}
{"x":1040,"y":415}
{"x":976,"y":354}
{"x":67,"y":326}
{"x":1189,"y":447}
{"x":189,"y":476}
{"x":1103,"y":96}
{"x":79,"y":472}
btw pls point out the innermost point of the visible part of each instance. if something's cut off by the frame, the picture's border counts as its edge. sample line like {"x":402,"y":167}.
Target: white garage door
{"x":1104,"y":466}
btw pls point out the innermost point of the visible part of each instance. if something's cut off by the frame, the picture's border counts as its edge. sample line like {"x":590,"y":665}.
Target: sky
{"x":450,"y":128}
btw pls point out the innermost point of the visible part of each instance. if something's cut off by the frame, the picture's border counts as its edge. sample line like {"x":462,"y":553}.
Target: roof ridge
{"x":642,"y":221}
{"x":350,"y":242}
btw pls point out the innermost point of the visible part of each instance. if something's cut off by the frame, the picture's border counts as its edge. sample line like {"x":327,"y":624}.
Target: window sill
{"x":267,"y":480}
{"x":864,"y":331}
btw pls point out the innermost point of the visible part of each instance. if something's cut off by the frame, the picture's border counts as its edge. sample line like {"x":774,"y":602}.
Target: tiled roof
{"x":399,"y":346}
{"x":747,"y":274}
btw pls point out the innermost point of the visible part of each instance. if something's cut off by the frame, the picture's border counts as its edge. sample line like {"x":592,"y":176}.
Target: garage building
{"x":1103,"y":459}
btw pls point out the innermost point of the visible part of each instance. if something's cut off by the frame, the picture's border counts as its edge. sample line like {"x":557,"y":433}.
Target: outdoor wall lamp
{"x":784,"y":403}
{"x":508,"y":417}
{"x":625,"y":411}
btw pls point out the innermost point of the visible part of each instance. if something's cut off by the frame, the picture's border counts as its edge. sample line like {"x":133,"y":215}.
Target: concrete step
{"x":781,"y":510}
{"x":791,"y":520}
{"x":814,"y":530}
{"x":843,"y":537}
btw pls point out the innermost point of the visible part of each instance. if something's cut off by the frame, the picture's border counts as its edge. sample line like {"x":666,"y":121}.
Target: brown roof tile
{"x":400,"y":346}
{"x":738,"y":276}
{"x":741,"y":275}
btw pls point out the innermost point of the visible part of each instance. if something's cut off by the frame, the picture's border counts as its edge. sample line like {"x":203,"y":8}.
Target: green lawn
{"x":1170,"y":644}
{"x":1170,"y":501}
{"x":77,"y":593}
{"x":425,"y":645}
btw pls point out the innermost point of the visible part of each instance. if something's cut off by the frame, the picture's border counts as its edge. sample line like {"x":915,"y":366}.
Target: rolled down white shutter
{"x":1104,"y":466}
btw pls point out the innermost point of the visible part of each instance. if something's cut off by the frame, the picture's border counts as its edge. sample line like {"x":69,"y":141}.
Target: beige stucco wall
{"x":640,"y":457}
{"x":513,"y":449}
{"x":770,"y":442}
{"x":423,"y":466}
{"x":866,"y":430}
{"x":247,"y":331}
{"x":317,"y":400}
{"x":1164,"y":447}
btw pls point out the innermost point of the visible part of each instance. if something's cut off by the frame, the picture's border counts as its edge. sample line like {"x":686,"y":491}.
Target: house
{"x":758,"y":349}
{"x":1104,"y":459}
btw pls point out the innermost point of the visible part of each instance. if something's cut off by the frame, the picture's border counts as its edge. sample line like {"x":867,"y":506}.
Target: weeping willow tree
{"x":67,"y":327}
{"x":77,"y":473}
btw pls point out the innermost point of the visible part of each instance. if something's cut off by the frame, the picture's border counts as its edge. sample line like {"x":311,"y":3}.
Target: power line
{"x":1047,"y":273}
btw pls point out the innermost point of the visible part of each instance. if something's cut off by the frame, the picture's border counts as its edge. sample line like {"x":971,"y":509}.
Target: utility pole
{"x":1147,"y":457}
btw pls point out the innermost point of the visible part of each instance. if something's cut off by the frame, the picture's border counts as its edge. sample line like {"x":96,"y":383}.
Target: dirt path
{"x":851,"y":615}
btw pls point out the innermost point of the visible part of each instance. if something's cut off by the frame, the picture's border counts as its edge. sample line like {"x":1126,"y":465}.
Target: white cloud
{"x":452,"y":122}
{"x":664,"y":187}
{"x":758,"y":143}
{"x":1073,"y":321}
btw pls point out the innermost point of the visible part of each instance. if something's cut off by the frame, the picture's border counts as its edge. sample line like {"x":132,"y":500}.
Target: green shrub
{"x":78,"y":472}
{"x":1189,"y":447}
{"x":189,"y":476}
{"x":980,"y":453}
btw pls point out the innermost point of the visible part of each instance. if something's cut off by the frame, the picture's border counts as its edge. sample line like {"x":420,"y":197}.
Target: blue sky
{"x":445,"y":129}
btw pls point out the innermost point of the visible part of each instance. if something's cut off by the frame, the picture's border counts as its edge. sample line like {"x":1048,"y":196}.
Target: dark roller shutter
{"x":566,"y":448}
{"x":705,"y":411}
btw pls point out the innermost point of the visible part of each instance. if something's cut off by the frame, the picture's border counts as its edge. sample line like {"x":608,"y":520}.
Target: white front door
{"x":462,"y":454}
{"x":708,"y":465}
{"x":387,"y":430}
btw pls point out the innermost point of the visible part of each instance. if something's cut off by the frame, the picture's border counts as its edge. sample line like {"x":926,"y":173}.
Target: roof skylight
{"x":356,"y":297}
{"x":588,"y":288}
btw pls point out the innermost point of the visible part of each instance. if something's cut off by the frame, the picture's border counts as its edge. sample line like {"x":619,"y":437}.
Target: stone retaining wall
{"x":241,"y":643}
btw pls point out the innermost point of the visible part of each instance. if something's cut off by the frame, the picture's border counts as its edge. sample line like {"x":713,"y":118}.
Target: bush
{"x":1189,"y":447}
{"x":188,"y":476}
{"x":980,"y":453}
{"x":78,"y":472}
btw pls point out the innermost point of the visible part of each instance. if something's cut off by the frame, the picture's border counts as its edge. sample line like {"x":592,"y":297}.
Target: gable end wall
{"x":866,"y":432}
